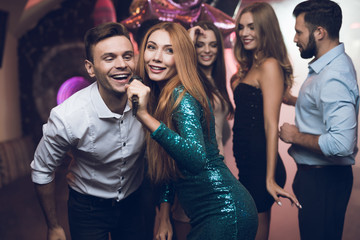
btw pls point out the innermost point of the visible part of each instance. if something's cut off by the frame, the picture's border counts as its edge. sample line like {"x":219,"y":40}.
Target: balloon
{"x":104,"y":12}
{"x":186,"y":12}
{"x":71,"y":86}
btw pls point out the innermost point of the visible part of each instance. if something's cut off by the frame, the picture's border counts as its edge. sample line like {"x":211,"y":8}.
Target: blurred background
{"x":42,"y":63}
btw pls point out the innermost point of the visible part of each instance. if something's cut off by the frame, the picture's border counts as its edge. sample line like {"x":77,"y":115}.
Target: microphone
{"x":135,"y":98}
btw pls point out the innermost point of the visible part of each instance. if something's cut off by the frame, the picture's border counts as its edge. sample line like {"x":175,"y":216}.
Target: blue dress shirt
{"x":328,"y":105}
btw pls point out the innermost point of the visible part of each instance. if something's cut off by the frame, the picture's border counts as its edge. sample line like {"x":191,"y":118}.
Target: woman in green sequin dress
{"x":182,"y":149}
{"x":209,"y":46}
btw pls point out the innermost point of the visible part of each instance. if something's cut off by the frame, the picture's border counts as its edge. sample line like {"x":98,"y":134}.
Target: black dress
{"x":249,"y":145}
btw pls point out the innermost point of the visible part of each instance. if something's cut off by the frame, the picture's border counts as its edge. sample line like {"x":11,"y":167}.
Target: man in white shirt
{"x":107,"y":144}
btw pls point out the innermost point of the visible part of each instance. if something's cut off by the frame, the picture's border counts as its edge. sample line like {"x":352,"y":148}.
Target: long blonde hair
{"x":161,"y":167}
{"x":270,"y":44}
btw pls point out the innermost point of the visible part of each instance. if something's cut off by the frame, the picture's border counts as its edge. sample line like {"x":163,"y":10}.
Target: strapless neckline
{"x":248,"y":85}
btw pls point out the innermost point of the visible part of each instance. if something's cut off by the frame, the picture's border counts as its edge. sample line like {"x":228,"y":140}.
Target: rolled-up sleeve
{"x":338,"y":104}
{"x":51,"y":150}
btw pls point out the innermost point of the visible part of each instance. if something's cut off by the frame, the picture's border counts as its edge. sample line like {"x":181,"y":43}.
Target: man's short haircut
{"x":324,"y":13}
{"x":101,"y":32}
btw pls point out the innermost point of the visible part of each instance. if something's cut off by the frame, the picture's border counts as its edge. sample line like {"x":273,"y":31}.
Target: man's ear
{"x":320,"y":33}
{"x":89,"y":68}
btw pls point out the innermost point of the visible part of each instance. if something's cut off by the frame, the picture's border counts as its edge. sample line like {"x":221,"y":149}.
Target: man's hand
{"x":288,"y":132}
{"x":56,"y":233}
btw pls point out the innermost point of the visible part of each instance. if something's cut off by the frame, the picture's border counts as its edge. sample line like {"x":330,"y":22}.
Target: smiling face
{"x":247,"y":32}
{"x":206,"y":48}
{"x":159,"y":56}
{"x":113,"y":64}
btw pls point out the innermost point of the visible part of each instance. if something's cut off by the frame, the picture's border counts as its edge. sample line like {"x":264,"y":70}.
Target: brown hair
{"x":101,"y":32}
{"x":218,"y":71}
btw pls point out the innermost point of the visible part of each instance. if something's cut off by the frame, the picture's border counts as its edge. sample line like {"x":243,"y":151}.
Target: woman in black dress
{"x":264,"y":74}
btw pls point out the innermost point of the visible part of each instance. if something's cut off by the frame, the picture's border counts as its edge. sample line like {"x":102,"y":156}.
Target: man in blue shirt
{"x":324,"y":138}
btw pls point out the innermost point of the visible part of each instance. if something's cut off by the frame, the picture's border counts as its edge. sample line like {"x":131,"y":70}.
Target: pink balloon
{"x":187,"y":13}
{"x":104,"y":11}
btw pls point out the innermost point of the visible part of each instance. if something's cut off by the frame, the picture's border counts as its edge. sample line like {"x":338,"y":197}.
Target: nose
{"x":243,"y":32}
{"x":157,"y":56}
{"x":295,"y":38}
{"x":207,"y":48}
{"x":120,"y":63}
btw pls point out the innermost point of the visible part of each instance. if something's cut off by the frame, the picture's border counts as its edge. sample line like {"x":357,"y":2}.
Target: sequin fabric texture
{"x":218,"y":205}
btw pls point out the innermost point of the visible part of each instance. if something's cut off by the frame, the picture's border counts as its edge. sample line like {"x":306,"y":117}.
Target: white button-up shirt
{"x":107,"y":148}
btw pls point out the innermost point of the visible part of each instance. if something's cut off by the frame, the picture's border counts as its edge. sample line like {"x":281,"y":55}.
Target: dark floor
{"x":21,"y":217}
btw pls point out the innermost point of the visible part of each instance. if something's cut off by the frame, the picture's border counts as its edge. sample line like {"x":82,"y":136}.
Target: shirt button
{"x":122,"y":178}
{"x":122,"y":122}
{"x":119,"y":191}
{"x":124,"y":144}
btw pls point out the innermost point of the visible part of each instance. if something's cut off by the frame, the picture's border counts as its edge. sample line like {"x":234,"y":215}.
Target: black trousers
{"x":324,"y":195}
{"x":93,"y":218}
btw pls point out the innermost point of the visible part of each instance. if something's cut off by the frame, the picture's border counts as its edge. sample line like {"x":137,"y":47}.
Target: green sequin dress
{"x":218,"y":205}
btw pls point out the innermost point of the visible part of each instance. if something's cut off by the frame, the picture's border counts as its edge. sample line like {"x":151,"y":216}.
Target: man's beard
{"x":310,"y":49}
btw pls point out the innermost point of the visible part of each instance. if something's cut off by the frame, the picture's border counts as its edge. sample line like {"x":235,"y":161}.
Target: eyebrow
{"x":129,"y":52}
{"x":107,"y":54}
{"x":113,"y":54}
{"x":199,"y":41}
{"x":249,"y":24}
{"x":167,"y":45}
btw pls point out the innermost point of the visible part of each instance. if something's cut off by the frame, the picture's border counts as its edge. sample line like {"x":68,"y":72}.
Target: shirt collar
{"x":325,"y":59}
{"x":100,"y":107}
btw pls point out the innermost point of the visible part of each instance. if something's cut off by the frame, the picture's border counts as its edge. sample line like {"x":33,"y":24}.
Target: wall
{"x":10,"y":118}
{"x":19,"y":22}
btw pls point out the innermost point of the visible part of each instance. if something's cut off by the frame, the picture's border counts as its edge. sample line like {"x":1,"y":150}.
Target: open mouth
{"x":120,"y":77}
{"x":247,"y":41}
{"x":206,"y":57}
{"x":156,"y":69}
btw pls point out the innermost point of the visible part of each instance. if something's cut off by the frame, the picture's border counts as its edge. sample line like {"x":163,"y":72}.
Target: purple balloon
{"x":187,"y":13}
{"x":71,"y":86}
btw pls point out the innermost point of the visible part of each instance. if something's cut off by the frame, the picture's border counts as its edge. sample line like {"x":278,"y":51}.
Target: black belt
{"x":307,"y":167}
{"x":98,"y":201}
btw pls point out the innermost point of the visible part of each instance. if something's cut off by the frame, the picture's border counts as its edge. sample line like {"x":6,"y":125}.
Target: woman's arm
{"x":165,"y":230}
{"x":194,"y":33}
{"x":137,"y":88}
{"x":288,"y":98}
{"x":271,"y":82}
{"x":186,"y":146}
